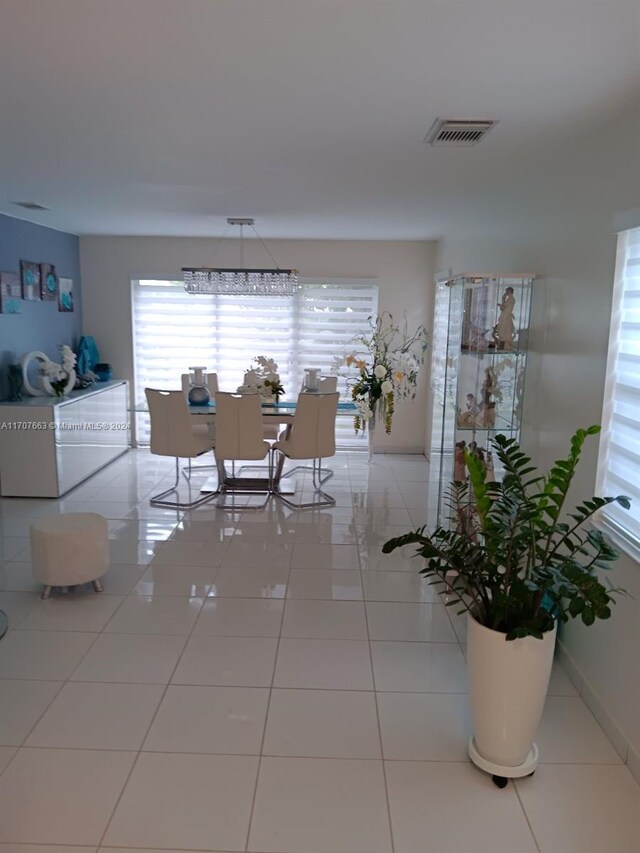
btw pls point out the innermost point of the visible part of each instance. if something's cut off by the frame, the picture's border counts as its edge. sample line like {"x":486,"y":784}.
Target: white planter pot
{"x":508,"y":684}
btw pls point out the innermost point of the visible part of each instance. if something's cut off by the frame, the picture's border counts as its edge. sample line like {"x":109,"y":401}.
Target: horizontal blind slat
{"x":174,"y":330}
{"x":619,"y":462}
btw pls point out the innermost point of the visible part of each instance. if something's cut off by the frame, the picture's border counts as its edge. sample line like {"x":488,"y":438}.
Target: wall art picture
{"x":48,"y":282}
{"x":10,"y":293}
{"x":30,"y":275}
{"x":65,"y":294}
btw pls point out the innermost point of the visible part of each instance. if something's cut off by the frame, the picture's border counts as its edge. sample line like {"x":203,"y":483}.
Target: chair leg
{"x":159,"y":499}
{"x":225,"y":488}
{"x":327,"y":500}
{"x":327,"y":472}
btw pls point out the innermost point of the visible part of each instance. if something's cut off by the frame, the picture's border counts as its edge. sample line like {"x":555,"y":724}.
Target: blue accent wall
{"x":40,"y":326}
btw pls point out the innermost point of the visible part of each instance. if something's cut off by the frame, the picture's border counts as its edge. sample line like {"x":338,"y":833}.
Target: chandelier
{"x":241,"y":282}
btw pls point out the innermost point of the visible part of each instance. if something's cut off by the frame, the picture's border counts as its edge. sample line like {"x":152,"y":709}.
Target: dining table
{"x":282,"y":412}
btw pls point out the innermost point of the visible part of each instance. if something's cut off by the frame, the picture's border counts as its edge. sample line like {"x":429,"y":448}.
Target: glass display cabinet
{"x":479,"y":351}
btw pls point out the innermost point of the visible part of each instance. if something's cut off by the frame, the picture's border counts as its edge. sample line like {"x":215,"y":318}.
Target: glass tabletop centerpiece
{"x":264,"y":379}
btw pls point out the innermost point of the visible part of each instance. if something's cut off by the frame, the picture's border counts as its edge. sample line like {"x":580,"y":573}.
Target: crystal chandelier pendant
{"x":241,"y":282}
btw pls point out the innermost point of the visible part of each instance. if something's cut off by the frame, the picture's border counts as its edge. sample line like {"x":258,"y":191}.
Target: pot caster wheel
{"x":500,"y":781}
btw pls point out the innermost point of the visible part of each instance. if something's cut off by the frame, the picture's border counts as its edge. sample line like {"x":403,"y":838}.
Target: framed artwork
{"x":65,"y":294}
{"x":10,"y":293}
{"x":30,"y":275}
{"x":48,"y":282}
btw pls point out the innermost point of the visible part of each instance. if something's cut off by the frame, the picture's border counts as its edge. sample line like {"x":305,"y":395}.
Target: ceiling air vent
{"x":455,"y":131}
{"x":30,"y":205}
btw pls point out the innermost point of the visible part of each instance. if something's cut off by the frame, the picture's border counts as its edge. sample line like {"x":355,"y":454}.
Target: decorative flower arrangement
{"x":268,"y":380}
{"x":58,"y":375}
{"x":387,"y":359}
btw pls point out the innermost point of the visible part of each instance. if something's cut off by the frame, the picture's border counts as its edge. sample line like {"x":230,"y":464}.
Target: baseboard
{"x":618,"y":739}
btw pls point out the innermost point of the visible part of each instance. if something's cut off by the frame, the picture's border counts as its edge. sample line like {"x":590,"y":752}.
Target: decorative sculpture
{"x":504,"y":331}
{"x":459,"y":468}
{"x":489,"y":388}
{"x":470,"y":417}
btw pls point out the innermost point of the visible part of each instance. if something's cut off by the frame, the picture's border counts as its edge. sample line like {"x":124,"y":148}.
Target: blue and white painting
{"x":48,"y":282}
{"x":10,"y":293}
{"x":65,"y":294}
{"x":30,"y":275}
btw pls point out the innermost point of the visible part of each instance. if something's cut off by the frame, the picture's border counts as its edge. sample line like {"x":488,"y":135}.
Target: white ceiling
{"x":166,"y":116}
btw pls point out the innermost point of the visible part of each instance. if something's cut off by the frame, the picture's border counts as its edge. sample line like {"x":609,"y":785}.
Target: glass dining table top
{"x":284,"y":407}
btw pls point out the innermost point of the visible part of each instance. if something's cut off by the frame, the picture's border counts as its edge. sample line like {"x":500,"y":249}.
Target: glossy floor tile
{"x":268,"y":681}
{"x":39,"y":784}
{"x":195,"y":802}
{"x":318,"y":805}
{"x":322,"y":723}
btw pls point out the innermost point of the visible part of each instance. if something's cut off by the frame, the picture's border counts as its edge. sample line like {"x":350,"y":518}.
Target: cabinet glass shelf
{"x":479,"y":355}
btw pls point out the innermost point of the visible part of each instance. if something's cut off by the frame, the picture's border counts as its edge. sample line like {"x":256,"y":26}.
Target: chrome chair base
{"x":318,"y":481}
{"x":233,"y":485}
{"x":159,"y":499}
{"x":324,"y":474}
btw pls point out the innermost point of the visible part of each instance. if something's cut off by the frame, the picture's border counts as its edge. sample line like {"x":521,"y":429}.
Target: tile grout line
{"x":512,"y":782}
{"x":375,"y":700}
{"x":266,"y":716}
{"x":138,"y":752}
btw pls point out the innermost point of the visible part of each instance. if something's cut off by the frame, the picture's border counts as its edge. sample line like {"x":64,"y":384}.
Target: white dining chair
{"x":174,"y":434}
{"x":212,"y":385}
{"x":312,"y":436}
{"x":239,"y":436}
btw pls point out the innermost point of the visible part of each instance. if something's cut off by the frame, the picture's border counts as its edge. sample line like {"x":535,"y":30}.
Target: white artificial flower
{"x":68,"y":358}
{"x":387,"y":387}
{"x":380,"y":371}
{"x":51,"y":370}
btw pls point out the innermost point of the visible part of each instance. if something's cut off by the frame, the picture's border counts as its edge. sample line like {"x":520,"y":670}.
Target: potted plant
{"x":523,"y":565}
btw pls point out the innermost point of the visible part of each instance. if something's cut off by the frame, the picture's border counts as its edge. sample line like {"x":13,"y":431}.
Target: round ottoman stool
{"x":70,"y":549}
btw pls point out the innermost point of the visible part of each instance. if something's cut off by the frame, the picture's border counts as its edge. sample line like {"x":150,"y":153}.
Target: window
{"x":173,"y":330}
{"x":619,"y":457}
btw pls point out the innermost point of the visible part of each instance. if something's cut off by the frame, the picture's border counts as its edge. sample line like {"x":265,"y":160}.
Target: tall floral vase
{"x":370,"y":439}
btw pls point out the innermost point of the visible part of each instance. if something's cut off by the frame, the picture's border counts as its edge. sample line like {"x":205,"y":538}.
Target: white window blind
{"x":174,"y":330}
{"x":619,"y":456}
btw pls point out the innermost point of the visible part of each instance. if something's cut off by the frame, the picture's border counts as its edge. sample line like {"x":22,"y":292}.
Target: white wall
{"x":569,"y":240}
{"x":404,"y":271}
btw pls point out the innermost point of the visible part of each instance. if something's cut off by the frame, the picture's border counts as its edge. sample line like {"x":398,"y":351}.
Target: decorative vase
{"x":199,"y":395}
{"x":103,"y":371}
{"x":370,"y":438}
{"x":508,"y":682}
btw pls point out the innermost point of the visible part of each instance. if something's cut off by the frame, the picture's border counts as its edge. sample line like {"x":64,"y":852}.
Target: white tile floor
{"x":268,"y":681}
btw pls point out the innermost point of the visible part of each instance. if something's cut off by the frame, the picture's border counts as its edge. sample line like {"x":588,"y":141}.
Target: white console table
{"x":49,"y":445}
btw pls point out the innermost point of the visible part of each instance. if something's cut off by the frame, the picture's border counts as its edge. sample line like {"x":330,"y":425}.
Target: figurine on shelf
{"x":487,"y":403}
{"x":459,"y":468}
{"x":478,"y":452}
{"x":466,"y":521}
{"x":504,"y":331}
{"x":469,"y":418}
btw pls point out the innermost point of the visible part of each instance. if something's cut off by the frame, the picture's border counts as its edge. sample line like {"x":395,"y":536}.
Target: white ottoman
{"x":70,"y":549}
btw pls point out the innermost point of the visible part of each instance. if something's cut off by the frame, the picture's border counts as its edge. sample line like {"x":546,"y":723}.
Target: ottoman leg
{"x":97,"y":586}
{"x":46,"y":592}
